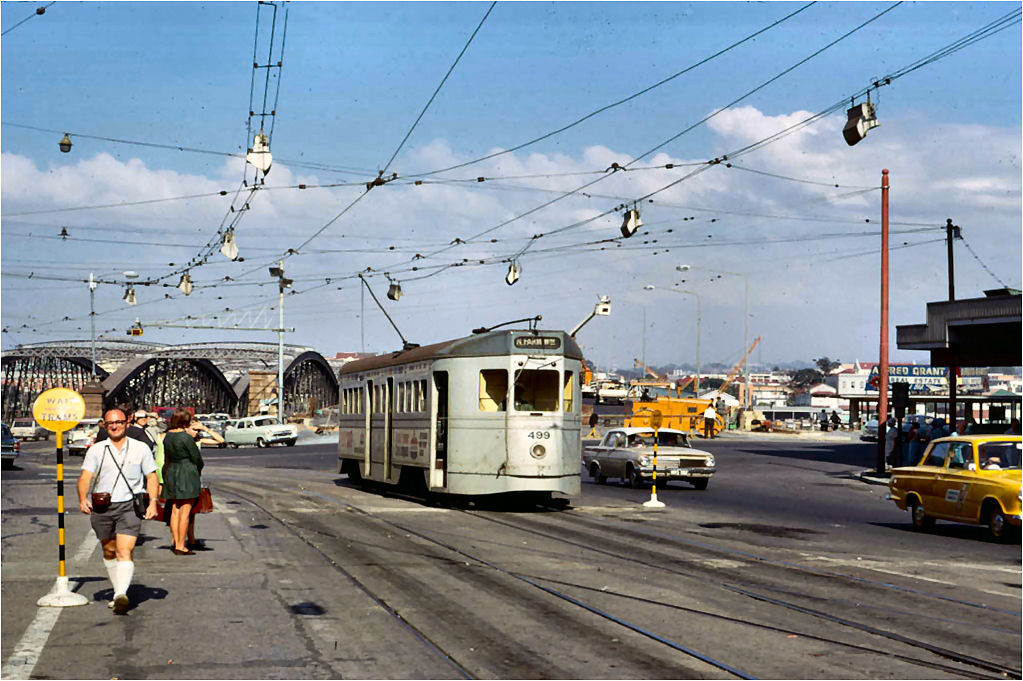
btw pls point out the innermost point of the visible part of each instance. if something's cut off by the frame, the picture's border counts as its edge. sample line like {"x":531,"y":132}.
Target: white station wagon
{"x":261,"y":431}
{"x":628,"y":453}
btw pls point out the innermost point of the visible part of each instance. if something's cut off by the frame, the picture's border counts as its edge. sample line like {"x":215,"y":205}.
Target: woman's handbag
{"x":204,"y":504}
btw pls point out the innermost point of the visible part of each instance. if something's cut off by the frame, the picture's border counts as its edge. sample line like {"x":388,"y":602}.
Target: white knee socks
{"x":125,"y":571}
{"x":111,"y":566}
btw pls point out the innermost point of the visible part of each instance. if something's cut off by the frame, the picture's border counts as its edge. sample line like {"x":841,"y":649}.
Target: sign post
{"x":59,"y":410}
{"x":656,"y":419}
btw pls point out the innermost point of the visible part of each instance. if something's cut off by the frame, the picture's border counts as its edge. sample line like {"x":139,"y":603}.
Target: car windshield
{"x":663,"y":440}
{"x":1000,"y":455}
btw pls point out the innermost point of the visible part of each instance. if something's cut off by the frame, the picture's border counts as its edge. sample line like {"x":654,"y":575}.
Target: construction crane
{"x":737,"y":368}
{"x":653,"y":374}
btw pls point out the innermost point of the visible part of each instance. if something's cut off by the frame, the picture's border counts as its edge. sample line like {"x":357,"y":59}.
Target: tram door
{"x":388,"y":426}
{"x":440,"y":382}
{"x":370,"y":406}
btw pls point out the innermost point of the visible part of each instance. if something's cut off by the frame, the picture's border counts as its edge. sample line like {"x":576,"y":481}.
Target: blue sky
{"x":356,"y":75}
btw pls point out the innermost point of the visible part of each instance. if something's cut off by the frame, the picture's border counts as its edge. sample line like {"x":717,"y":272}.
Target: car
{"x":82,"y":436}
{"x":965,"y":479}
{"x":11,"y":447}
{"x":628,"y":453}
{"x":869,"y":431}
{"x":261,"y":431}
{"x":215,"y":422}
{"x":28,"y":429}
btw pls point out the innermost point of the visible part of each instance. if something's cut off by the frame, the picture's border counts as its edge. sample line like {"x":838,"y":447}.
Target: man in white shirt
{"x":709,"y":417}
{"x":116,"y":525}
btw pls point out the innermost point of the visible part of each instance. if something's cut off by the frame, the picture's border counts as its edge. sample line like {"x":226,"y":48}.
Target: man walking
{"x":709,"y":418}
{"x":120,"y":466}
{"x":139,"y":430}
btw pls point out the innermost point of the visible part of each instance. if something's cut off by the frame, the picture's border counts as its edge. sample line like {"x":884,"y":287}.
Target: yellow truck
{"x":685,"y":414}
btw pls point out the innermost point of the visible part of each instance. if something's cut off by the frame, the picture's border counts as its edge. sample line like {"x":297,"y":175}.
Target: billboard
{"x":921,"y":378}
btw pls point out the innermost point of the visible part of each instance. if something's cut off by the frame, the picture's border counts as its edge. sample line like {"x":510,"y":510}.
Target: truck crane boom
{"x":738,"y":367}
{"x":644,"y":367}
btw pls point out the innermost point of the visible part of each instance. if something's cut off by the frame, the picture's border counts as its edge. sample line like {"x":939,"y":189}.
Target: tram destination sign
{"x":538,"y":342}
{"x":921,"y":377}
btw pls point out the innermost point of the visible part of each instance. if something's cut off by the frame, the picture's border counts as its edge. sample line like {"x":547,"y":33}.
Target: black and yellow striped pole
{"x":59,"y":410}
{"x":656,"y":419}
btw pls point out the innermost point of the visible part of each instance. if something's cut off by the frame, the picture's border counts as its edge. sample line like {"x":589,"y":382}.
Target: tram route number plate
{"x":538,"y":342}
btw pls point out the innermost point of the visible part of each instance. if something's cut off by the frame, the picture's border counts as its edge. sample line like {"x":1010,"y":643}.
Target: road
{"x":787,"y":566}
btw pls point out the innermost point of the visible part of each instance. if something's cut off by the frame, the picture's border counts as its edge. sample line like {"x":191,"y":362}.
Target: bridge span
{"x":235,"y":378}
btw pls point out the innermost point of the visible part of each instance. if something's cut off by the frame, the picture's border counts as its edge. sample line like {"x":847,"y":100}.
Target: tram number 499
{"x":540,"y":435}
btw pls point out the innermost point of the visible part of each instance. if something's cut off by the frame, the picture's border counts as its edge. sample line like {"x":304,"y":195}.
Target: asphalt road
{"x":787,"y":566}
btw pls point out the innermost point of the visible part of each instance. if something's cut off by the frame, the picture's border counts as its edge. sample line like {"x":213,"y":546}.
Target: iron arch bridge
{"x":211,"y":377}
{"x":26,"y":376}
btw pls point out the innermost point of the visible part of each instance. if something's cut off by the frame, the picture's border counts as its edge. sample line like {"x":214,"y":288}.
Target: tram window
{"x":493,"y":390}
{"x":421,"y":395}
{"x":536,"y":391}
{"x":567,"y":393}
{"x":399,"y":403}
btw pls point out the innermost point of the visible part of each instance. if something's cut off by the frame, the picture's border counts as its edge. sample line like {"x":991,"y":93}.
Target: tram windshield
{"x":537,"y":390}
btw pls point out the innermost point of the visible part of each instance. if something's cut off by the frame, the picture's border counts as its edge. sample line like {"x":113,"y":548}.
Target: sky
{"x":156,"y":98}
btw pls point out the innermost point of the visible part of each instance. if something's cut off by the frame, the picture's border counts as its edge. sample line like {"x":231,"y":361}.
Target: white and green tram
{"x":492,"y":413}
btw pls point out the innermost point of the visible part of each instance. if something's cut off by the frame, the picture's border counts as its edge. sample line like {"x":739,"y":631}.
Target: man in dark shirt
{"x":137,"y":430}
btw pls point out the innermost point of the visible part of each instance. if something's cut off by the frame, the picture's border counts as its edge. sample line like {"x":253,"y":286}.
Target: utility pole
{"x":92,"y":320}
{"x":280,"y":347}
{"x":882,"y":369}
{"x":952,"y":232}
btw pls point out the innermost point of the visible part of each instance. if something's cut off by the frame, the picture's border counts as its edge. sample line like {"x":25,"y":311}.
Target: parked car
{"x":627,"y":453}
{"x":869,"y":431}
{"x":261,"y":431}
{"x":967,"y":479}
{"x":11,"y":447}
{"x":82,"y":436}
{"x":28,"y":429}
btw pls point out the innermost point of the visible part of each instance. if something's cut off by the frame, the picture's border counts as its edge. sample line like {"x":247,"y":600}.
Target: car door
{"x":616,"y":455}
{"x":924,"y":476}
{"x":952,"y":484}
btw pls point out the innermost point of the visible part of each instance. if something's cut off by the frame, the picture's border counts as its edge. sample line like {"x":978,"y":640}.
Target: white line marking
{"x":26,"y":654}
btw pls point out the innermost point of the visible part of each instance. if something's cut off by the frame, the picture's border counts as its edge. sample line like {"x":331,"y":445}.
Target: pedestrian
{"x":823,"y":418}
{"x":137,"y":430}
{"x":594,"y":419}
{"x":181,"y":482}
{"x":890,"y":436}
{"x":1013,"y":427}
{"x":971,"y":425}
{"x":709,"y":421}
{"x":916,"y":444}
{"x":129,"y":470}
{"x":202,"y":436}
{"x":938,"y":429}
{"x":836,"y":420}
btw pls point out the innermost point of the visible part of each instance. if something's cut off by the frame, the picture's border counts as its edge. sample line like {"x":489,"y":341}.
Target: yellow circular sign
{"x":657,"y":419}
{"x":58,"y":409}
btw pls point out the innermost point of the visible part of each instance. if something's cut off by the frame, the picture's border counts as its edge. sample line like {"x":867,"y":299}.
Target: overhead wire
{"x":981,"y":262}
{"x":38,"y":12}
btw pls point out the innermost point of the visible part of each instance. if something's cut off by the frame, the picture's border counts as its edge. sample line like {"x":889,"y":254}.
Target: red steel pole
{"x":882,"y":369}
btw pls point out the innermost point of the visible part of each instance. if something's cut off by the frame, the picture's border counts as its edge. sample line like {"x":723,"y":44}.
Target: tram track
{"x":1002,"y":670}
{"x":540,"y":583}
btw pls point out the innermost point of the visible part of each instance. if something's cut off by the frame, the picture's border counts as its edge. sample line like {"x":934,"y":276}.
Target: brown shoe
{"x":186,"y":552}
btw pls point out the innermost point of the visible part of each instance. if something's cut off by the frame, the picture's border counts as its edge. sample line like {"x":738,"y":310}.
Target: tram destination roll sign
{"x":538,"y":342}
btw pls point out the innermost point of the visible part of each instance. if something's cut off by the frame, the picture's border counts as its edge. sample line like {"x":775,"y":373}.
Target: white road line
{"x":26,"y":654}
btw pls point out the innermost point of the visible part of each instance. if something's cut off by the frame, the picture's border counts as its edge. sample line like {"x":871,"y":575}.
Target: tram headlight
{"x":538,"y":451}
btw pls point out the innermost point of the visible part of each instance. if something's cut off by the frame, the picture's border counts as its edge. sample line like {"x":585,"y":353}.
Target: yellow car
{"x":966,"y":479}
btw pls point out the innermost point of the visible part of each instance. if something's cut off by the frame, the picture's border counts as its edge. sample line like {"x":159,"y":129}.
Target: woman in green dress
{"x":181,"y":481}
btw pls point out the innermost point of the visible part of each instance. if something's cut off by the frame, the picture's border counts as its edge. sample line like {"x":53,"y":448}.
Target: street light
{"x":699,"y":317}
{"x":745,"y":322}
{"x":282,"y":283}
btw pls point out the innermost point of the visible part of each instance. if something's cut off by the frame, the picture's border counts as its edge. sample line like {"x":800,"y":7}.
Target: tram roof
{"x":479,"y":345}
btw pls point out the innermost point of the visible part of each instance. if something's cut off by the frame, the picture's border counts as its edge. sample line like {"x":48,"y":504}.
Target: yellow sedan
{"x":966,"y":479}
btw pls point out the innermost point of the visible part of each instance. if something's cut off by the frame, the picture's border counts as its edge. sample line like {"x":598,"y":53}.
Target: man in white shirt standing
{"x":709,"y":418}
{"x":116,"y":525}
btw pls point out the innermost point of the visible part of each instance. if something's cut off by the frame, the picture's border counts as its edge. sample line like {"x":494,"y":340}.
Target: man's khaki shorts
{"x":119,"y":518}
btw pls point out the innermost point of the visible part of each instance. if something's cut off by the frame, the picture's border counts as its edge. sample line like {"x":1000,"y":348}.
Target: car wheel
{"x":232,"y":445}
{"x":595,"y":474}
{"x":921,"y":520}
{"x":633,"y":478}
{"x":260,"y":442}
{"x":996,"y":526}
{"x":700,"y":483}
{"x":290,"y":443}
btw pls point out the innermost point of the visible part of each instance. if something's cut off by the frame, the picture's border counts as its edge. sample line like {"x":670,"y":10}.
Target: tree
{"x":826,"y":365}
{"x":801,"y":379}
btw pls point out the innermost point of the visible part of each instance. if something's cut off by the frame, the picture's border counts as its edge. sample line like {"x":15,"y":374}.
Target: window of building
{"x":493,"y":390}
{"x":536,"y":390}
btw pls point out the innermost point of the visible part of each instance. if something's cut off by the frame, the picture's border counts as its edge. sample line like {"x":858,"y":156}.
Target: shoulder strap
{"x":120,"y":471}
{"x":99,"y":470}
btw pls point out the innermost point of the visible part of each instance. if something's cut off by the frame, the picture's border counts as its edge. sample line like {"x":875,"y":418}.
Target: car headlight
{"x":644,"y":461}
{"x":711,"y":461}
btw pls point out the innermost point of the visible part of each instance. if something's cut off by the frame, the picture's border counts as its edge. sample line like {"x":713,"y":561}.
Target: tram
{"x":494,"y":413}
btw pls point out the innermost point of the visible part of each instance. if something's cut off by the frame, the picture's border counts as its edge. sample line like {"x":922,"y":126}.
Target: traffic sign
{"x":58,"y":409}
